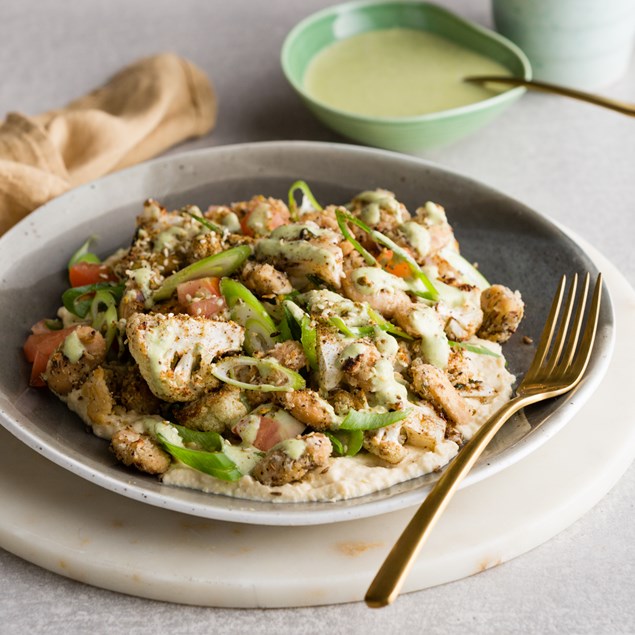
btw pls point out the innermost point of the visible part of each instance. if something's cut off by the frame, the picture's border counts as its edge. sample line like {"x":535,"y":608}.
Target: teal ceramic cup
{"x":411,"y":134}
{"x":581,"y":43}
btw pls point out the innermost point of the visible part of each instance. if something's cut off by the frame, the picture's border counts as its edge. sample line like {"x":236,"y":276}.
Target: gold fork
{"x":558,"y":366}
{"x":533,"y":84}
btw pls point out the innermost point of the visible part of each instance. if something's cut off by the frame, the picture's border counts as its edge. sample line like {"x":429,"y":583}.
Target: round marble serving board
{"x":75,"y":528}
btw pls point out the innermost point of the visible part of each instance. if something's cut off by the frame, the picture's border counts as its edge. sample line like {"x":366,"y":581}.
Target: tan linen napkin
{"x":143,"y":110}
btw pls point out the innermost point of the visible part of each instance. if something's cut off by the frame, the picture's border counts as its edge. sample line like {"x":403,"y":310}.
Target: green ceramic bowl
{"x":404,"y":134}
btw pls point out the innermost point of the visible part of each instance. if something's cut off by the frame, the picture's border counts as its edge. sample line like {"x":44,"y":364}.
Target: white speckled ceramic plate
{"x":513,"y":245}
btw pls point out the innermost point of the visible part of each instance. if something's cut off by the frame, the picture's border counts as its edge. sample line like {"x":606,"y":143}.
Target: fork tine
{"x":556,"y":350}
{"x":568,"y":356}
{"x":547,"y":331}
{"x":588,"y":338}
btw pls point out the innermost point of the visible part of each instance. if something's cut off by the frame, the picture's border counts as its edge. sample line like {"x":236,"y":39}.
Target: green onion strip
{"x":344,"y":217}
{"x":360,"y":420}
{"x":83,"y":255}
{"x":306,"y":192}
{"x":225,"y":371}
{"x":473,"y":348}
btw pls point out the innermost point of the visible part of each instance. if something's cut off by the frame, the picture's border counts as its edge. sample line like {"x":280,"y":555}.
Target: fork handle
{"x":387,"y":583}
{"x":533,"y":84}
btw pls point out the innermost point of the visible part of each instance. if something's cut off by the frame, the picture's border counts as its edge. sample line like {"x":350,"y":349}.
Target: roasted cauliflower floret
{"x":97,"y":397}
{"x":139,"y":450}
{"x":464,"y":316}
{"x":381,"y":290}
{"x":379,"y":209}
{"x":289,"y":354}
{"x":260,"y":215}
{"x":344,"y":400}
{"x":265,"y":280}
{"x":503,"y":310}
{"x":292,"y":460}
{"x":175,"y":353}
{"x":303,"y":250}
{"x":70,"y":364}
{"x":308,"y":407}
{"x":424,"y":428}
{"x":387,"y":442}
{"x":434,"y":386}
{"x":212,"y":411}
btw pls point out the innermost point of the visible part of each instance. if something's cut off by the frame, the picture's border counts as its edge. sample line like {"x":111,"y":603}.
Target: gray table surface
{"x":571,"y":161}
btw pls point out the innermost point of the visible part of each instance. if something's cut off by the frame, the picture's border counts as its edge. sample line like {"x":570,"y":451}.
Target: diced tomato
{"x":271,"y":431}
{"x":268,"y":434}
{"x":396,"y":267}
{"x":39,"y":347}
{"x":201,"y":297}
{"x":82,"y":273}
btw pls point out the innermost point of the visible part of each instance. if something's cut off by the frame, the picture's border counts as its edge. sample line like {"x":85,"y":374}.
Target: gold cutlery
{"x":533,"y":84}
{"x":558,"y":366}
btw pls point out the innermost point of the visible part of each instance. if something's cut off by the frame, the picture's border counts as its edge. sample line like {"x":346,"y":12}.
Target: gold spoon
{"x":612,"y":104}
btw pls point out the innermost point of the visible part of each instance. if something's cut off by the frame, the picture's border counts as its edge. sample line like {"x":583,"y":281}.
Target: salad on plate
{"x":274,"y":351}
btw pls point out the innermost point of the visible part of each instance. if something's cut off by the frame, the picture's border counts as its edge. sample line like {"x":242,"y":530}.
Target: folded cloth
{"x":143,"y":110}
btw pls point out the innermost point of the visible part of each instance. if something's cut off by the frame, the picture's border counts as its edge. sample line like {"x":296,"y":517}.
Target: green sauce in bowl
{"x":398,"y":73}
{"x":371,"y":106}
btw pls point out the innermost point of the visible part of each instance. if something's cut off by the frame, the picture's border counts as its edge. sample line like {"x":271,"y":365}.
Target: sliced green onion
{"x":342,"y":218}
{"x":83,"y":255}
{"x":225,"y":372}
{"x":359,"y":420}
{"x":209,"y":441}
{"x":105,"y":320}
{"x":215,"y":464}
{"x":258,"y":337}
{"x":222,"y":264}
{"x":207,"y":457}
{"x":470,"y":273}
{"x":308,"y":339}
{"x":382,"y":239}
{"x":234,"y":293}
{"x":474,"y":348}
{"x":206,"y":222}
{"x":341,"y":326}
{"x":299,"y":324}
{"x":318,"y":282}
{"x":355,"y":442}
{"x":410,"y":261}
{"x":54,"y":325}
{"x":346,"y":442}
{"x":385,"y":325}
{"x":245,"y":309}
{"x":78,"y":300}
{"x":306,"y":192}
{"x":284,"y":328}
{"x":295,"y":331}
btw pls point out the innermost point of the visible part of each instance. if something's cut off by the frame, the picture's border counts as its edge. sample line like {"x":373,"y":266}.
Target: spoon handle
{"x":612,"y":104}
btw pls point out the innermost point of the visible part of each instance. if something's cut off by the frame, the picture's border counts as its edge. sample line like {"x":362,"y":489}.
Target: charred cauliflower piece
{"x":503,"y":310}
{"x":292,"y":460}
{"x":70,"y":364}
{"x":301,"y":250}
{"x":175,"y":352}
{"x":424,"y":428}
{"x":308,"y":407}
{"x":289,"y":354}
{"x":213,"y":411}
{"x":139,"y":450}
{"x":265,"y":280}
{"x":386,"y":443}
{"x":434,"y":386}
